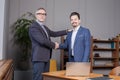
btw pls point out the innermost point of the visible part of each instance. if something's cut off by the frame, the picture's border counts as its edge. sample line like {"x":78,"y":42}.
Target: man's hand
{"x":56,"y":45}
{"x":69,"y":30}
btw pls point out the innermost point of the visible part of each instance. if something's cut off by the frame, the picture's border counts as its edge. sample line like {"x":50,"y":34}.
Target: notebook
{"x":77,"y":69}
{"x":100,"y":78}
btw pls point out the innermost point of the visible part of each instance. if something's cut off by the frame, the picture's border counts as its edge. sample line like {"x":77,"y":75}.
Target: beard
{"x":74,"y":24}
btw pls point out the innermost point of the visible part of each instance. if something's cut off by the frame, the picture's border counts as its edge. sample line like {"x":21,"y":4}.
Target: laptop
{"x":77,"y":68}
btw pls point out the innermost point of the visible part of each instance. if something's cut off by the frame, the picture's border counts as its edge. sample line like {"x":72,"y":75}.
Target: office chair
{"x":115,"y":71}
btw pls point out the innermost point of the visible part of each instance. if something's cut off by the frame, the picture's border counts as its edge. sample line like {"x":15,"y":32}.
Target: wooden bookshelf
{"x":114,"y":52}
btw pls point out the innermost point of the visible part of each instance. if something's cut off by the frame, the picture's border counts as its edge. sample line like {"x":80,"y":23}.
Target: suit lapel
{"x":41,"y":30}
{"x":78,"y":34}
{"x":70,"y":39}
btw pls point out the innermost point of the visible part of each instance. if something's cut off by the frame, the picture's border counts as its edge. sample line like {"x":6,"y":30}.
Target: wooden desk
{"x":60,"y":75}
{"x":114,"y":77}
{"x":6,"y":69}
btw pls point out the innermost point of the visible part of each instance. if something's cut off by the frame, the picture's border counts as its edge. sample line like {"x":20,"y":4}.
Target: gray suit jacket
{"x":41,"y":44}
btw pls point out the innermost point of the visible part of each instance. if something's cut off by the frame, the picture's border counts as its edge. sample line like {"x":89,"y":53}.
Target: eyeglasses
{"x":44,"y":14}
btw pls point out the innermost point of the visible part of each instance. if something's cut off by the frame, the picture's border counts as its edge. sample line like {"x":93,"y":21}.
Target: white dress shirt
{"x":41,"y":24}
{"x":74,"y":33}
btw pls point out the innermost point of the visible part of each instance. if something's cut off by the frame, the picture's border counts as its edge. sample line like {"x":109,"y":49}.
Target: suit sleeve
{"x":56,"y":33}
{"x":87,"y":46}
{"x":65,"y":44}
{"x":37,"y":35}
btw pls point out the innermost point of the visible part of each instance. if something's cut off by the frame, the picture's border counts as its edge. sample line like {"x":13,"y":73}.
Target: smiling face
{"x":40,"y":15}
{"x":75,"y":21}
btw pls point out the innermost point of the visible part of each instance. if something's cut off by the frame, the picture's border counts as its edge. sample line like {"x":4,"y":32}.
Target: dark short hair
{"x":41,"y":9}
{"x":75,"y":13}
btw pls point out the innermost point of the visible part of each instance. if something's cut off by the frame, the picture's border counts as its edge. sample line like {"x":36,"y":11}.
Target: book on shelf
{"x":103,"y":63}
{"x":100,"y":78}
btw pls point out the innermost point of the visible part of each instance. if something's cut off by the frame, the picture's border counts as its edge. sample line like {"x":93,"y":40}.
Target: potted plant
{"x":22,"y":40}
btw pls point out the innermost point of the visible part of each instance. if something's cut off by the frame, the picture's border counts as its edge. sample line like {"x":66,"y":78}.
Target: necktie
{"x":45,"y":31}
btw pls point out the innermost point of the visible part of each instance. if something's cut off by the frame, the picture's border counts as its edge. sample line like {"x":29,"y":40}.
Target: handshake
{"x":56,"y":45}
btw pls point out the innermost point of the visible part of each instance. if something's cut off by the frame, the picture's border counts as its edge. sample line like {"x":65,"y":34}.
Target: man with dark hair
{"x":78,"y":41}
{"x":75,"y":13}
{"x":41,"y":44}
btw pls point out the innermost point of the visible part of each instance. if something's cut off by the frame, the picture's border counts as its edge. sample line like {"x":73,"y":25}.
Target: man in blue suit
{"x":78,"y":41}
{"x":41,"y":44}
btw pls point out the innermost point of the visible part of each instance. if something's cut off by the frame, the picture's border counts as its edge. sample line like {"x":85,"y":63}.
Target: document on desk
{"x":100,"y":78}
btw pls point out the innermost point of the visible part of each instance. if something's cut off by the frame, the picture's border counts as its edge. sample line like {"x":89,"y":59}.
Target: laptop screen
{"x":77,"y":69}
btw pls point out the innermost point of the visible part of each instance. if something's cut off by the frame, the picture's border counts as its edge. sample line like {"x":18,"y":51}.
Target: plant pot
{"x":24,"y":65}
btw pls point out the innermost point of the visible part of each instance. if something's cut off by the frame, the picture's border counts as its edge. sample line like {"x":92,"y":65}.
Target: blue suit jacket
{"x":81,"y":46}
{"x":41,"y":44}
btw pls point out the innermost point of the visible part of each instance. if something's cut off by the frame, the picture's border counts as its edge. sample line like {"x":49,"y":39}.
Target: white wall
{"x":97,"y":15}
{"x":100,"y":16}
{"x":117,"y":17}
{"x":6,"y":30}
{"x":4,"y":18}
{"x":2,"y":4}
